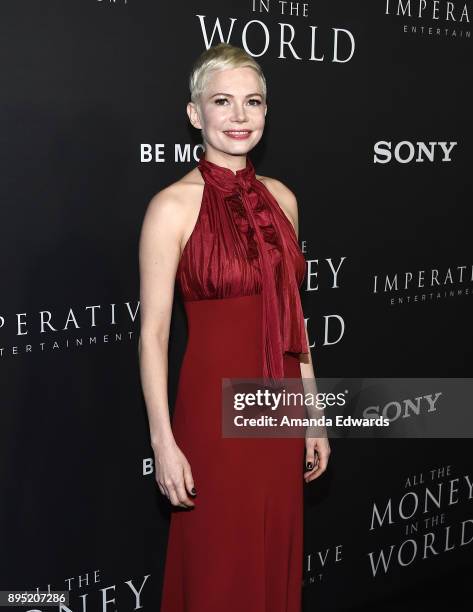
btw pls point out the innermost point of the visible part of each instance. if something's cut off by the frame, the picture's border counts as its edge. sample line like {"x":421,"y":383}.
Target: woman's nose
{"x":239,"y":113}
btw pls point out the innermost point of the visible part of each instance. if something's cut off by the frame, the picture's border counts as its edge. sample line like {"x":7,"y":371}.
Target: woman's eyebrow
{"x":221,"y":93}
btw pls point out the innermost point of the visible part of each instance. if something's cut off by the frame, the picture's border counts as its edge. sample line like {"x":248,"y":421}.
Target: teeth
{"x":245,"y":132}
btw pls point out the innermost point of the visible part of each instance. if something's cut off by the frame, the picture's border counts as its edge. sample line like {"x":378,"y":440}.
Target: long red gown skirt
{"x":240,"y":548}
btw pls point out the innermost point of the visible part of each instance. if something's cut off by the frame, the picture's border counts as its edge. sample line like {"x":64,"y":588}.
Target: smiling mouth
{"x":237,"y":133}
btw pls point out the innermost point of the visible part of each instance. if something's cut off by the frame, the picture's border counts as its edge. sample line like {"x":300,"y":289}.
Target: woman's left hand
{"x":316,"y":457}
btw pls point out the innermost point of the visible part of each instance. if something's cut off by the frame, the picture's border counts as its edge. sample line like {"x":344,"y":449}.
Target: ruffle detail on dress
{"x":262,"y":216}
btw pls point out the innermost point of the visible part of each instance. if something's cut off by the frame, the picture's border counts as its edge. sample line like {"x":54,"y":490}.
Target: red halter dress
{"x":240,"y":549}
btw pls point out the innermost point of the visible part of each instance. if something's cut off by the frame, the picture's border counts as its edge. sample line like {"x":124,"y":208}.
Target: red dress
{"x":240,"y":549}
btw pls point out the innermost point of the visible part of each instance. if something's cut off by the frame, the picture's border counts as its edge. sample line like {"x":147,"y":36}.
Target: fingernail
{"x":193,"y":491}
{"x":309,"y":465}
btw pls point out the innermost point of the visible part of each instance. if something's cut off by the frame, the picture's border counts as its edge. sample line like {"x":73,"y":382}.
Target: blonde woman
{"x":228,"y":237}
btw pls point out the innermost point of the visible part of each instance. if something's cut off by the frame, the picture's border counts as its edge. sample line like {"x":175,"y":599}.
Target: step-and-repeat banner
{"x":368,"y":108}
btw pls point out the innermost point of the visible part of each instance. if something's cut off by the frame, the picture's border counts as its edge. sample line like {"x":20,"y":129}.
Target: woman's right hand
{"x":174,"y":475}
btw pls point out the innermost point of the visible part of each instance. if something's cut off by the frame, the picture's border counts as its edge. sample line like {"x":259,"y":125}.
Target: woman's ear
{"x":193,"y":115}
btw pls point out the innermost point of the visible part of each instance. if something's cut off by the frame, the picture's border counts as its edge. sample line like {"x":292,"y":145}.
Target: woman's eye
{"x":253,"y":101}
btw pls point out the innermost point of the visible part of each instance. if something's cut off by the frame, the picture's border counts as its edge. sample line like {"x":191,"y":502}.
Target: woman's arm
{"x":159,"y":250}
{"x":316,"y":441}
{"x":307,"y":367}
{"x":159,"y":253}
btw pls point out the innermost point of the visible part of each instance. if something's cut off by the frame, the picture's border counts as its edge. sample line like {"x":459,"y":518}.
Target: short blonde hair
{"x":219,"y":57}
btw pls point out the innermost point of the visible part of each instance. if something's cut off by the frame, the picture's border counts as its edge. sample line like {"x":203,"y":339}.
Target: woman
{"x":229,"y":239}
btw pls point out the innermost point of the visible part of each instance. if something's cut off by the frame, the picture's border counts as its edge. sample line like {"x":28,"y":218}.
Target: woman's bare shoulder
{"x":179,"y":191}
{"x":178,"y":199}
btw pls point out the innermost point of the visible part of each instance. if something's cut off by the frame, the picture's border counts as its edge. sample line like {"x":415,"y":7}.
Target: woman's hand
{"x":317,"y":455}
{"x":174,"y":475}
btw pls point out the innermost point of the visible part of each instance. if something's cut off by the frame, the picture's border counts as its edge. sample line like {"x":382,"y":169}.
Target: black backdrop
{"x":93,"y":124}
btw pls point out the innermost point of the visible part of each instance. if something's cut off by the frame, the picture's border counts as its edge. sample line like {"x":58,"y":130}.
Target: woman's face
{"x":232,"y":111}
